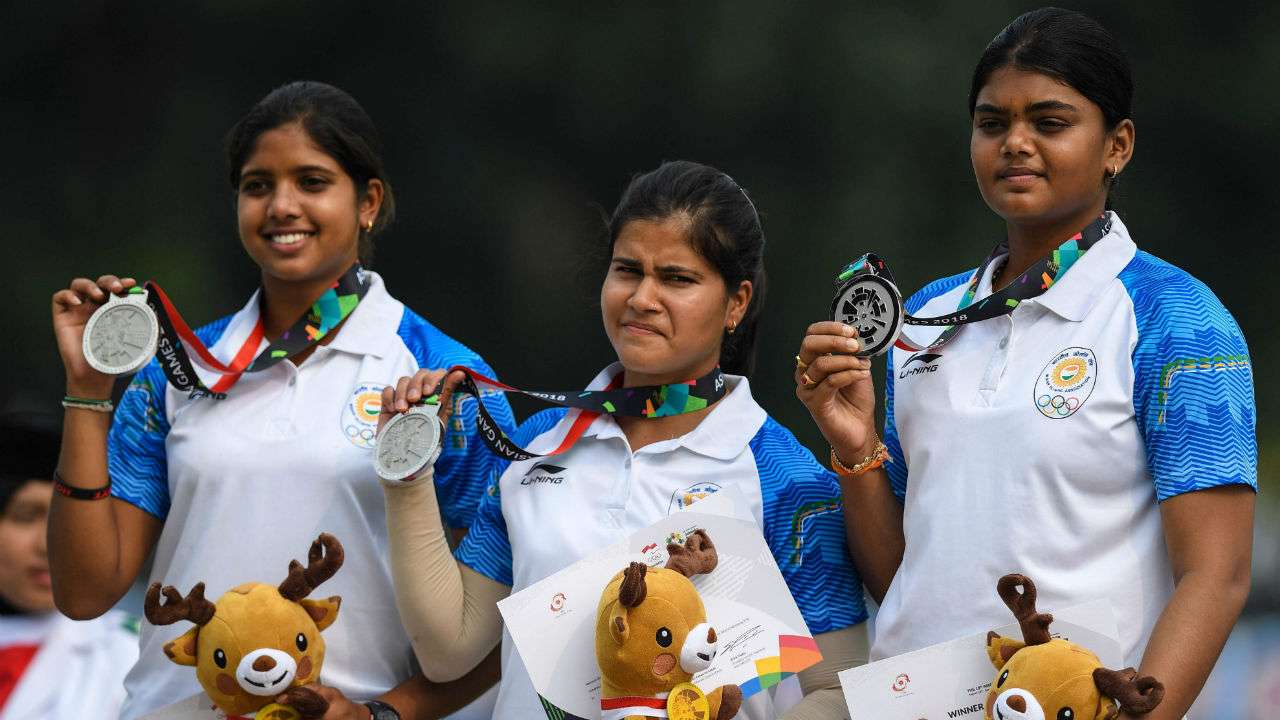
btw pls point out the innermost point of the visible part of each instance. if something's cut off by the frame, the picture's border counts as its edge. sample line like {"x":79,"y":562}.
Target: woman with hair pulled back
{"x":680,"y":301}
{"x":1099,"y":437}
{"x":228,"y":490}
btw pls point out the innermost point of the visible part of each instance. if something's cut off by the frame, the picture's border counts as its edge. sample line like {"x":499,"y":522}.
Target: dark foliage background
{"x":510,"y":126}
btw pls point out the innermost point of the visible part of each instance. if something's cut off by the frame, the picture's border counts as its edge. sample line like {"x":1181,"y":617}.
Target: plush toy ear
{"x":1000,"y":649}
{"x":619,"y":630}
{"x":324,"y":612}
{"x":182,"y":649}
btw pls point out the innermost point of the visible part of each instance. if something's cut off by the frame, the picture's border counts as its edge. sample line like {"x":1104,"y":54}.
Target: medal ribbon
{"x":176,"y":336}
{"x":1033,"y":282}
{"x":649,"y":401}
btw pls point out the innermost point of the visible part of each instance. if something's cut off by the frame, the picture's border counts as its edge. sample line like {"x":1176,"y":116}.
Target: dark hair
{"x":1070,"y":47}
{"x":336,"y":123}
{"x":29,"y":445}
{"x":724,"y":228}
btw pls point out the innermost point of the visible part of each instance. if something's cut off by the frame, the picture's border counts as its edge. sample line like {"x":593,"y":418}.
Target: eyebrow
{"x":303,"y":170}
{"x":1033,"y":107}
{"x":669,"y":269}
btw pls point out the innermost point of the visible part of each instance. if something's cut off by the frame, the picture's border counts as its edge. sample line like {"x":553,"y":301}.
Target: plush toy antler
{"x":323,"y":560}
{"x":193,"y":607}
{"x":1035,"y":625}
{"x":696,"y":557}
{"x":1135,"y":694}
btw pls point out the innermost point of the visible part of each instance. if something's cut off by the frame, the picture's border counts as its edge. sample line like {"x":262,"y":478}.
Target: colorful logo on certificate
{"x":360,"y":415}
{"x":1066,"y":382}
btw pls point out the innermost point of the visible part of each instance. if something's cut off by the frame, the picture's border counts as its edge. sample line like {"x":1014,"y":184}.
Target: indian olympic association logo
{"x":1066,"y":382}
{"x":682,"y":499}
{"x":360,"y":415}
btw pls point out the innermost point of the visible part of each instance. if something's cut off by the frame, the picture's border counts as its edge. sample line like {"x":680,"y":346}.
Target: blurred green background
{"x":510,"y":127}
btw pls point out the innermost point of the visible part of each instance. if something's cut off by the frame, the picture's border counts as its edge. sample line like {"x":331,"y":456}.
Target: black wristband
{"x":379,"y":710}
{"x":76,"y":493}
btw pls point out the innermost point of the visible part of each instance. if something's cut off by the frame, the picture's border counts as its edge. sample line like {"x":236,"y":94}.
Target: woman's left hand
{"x":340,"y":706}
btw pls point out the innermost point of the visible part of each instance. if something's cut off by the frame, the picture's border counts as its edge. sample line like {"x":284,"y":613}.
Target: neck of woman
{"x":1028,"y":242}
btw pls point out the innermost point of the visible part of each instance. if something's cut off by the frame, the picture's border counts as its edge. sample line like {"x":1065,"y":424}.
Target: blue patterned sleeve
{"x":136,"y":459}
{"x":897,"y":465}
{"x":1193,"y":383}
{"x":487,"y":547}
{"x":804,"y":527}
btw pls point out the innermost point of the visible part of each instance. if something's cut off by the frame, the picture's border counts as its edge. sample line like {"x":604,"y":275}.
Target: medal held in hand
{"x":868,"y":300}
{"x":121,"y":335}
{"x":409,"y":442}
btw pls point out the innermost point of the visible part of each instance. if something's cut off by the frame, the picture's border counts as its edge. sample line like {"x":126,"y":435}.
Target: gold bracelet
{"x":879,"y":455}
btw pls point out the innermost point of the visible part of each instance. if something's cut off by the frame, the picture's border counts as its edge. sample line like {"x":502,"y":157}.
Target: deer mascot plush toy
{"x":258,"y":641}
{"x":652,"y":636}
{"x":1045,"y":678}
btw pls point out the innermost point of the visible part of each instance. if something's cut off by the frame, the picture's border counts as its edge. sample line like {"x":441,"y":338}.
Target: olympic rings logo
{"x":1058,"y":405}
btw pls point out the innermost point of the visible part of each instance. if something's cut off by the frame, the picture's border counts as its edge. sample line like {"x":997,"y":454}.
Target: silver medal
{"x":873,"y":306}
{"x":408,"y":443}
{"x":121,"y":335}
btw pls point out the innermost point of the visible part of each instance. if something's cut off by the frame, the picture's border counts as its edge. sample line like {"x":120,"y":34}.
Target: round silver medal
{"x":872,"y":305}
{"x":121,"y":335}
{"x":408,"y":443}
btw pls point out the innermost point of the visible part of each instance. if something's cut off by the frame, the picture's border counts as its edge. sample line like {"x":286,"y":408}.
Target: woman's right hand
{"x":72,"y":308}
{"x":408,"y":390}
{"x":837,"y":388}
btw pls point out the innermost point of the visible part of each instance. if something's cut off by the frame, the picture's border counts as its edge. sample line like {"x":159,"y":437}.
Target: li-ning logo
{"x":544,"y":474}
{"x":927,"y":364}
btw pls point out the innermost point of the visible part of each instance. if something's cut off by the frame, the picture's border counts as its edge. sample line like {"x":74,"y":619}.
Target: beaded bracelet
{"x":96,"y":405}
{"x":879,"y":456}
{"x":75,"y":493}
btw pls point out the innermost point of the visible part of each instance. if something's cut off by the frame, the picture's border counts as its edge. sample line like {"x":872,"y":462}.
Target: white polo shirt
{"x":547,"y":513}
{"x":245,"y":484}
{"x":1042,"y":441}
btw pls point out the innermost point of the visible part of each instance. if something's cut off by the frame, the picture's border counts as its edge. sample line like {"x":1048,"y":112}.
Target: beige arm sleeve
{"x":823,"y":698}
{"x":448,"y":609}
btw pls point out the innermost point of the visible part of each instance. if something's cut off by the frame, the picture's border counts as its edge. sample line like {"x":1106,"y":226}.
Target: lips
{"x":641,"y":328}
{"x":288,"y":238}
{"x":1019,"y":174}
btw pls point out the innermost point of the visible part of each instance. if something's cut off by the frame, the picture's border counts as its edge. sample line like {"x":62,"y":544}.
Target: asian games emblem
{"x":1065,"y":383}
{"x":360,"y":415}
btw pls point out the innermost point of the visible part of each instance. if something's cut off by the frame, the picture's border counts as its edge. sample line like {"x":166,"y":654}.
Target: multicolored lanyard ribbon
{"x":648,"y":401}
{"x":176,"y":336}
{"x":867,"y":298}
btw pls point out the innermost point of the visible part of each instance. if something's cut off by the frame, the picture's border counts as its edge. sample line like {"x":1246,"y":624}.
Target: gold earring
{"x":1113,"y":171}
{"x":733,"y":325}
{"x":369,"y":227}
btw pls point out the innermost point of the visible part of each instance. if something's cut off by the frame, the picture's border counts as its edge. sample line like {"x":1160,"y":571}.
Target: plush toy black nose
{"x":264,"y":663}
{"x":1017,"y":703}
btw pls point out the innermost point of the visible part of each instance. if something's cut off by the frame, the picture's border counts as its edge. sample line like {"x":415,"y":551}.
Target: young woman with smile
{"x":1121,"y":382}
{"x":229,"y":490}
{"x":681,"y":296}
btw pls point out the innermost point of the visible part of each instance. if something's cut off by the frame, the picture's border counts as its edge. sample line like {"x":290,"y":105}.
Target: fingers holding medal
{"x":411,"y":426}
{"x":108,"y":321}
{"x":828,"y":360}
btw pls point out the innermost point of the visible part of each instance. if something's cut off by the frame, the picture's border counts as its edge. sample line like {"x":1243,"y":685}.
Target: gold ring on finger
{"x":800,"y":364}
{"x":808,"y":381}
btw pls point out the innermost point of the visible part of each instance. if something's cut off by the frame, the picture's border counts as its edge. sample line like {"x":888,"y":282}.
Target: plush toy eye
{"x":1066,"y":713}
{"x":664,"y":637}
{"x":301,"y":642}
{"x":220,"y":658}
{"x":1003,"y":676}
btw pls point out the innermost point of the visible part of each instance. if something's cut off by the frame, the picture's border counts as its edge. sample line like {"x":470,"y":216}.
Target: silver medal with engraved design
{"x":409,"y":442}
{"x":872,"y":305}
{"x":121,"y":335}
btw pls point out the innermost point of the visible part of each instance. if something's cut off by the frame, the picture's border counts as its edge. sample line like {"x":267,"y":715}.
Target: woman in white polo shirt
{"x":229,"y":490}
{"x":1098,"y":438}
{"x":680,"y":300}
